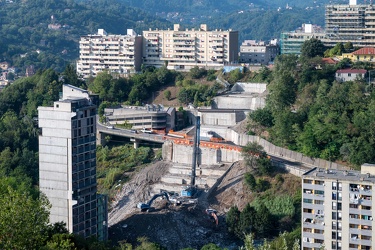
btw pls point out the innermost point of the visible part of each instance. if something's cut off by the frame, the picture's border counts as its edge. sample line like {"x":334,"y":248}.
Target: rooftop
{"x":347,"y":175}
{"x":353,"y":71}
{"x":365,"y":51}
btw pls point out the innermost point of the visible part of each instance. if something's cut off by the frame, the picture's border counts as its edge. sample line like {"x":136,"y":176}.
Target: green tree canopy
{"x":312,"y":48}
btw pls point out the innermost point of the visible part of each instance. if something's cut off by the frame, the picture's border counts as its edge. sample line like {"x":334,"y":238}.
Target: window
{"x":334,"y":196}
{"x":334,"y":206}
{"x":334,"y":235}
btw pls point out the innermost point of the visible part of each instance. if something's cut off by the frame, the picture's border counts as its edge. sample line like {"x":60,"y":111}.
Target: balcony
{"x":365,"y":202}
{"x":313,"y":186}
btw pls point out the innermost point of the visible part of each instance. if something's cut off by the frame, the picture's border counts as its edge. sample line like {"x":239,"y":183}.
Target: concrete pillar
{"x":100,"y":139}
{"x":136,"y":142}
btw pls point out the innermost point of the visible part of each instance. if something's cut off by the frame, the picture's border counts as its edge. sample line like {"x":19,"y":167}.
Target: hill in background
{"x":46,"y":32}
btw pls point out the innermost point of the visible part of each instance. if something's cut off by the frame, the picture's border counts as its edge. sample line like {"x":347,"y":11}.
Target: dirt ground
{"x":176,"y":227}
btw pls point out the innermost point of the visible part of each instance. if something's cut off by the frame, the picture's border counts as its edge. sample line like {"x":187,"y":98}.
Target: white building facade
{"x":337,"y":209}
{"x":184,"y":49}
{"x":118,"y":54}
{"x":67,"y":163}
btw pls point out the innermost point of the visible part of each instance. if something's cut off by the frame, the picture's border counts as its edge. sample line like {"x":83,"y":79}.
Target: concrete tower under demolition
{"x":67,"y":163}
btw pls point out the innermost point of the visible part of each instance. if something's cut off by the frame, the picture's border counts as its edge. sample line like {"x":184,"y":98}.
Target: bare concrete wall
{"x":243,"y":139}
{"x":235,"y":102}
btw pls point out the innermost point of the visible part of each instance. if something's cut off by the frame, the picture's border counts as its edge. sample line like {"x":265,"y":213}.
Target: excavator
{"x":145,"y":207}
{"x":212,"y":214}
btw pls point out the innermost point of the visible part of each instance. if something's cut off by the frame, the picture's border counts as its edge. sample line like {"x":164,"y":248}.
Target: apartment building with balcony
{"x":337,"y":209}
{"x":258,"y":52}
{"x":118,"y":54}
{"x":350,"y":23}
{"x":67,"y":163}
{"x":184,"y":49}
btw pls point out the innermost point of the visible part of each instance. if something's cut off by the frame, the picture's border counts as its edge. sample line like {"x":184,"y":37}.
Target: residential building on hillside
{"x":337,"y":208}
{"x":184,"y":49}
{"x":119,"y":54}
{"x":260,"y":52}
{"x":366,"y":54}
{"x":350,"y":23}
{"x":291,"y":42}
{"x":343,"y":75}
{"x":67,"y":163}
{"x":153,"y":116}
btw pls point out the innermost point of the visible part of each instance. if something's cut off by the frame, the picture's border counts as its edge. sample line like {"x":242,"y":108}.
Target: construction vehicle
{"x":145,"y":207}
{"x":212,"y":213}
{"x":189,"y":191}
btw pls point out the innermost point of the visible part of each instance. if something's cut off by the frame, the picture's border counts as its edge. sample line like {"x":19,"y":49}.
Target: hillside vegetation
{"x":308,"y":111}
{"x":24,"y":28}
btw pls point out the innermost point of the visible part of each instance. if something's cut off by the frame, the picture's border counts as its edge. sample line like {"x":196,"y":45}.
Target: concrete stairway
{"x":179,"y":176}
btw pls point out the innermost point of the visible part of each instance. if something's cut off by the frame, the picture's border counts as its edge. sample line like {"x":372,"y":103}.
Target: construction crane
{"x":190,"y":190}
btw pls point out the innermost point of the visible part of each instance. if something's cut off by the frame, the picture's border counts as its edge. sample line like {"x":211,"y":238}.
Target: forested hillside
{"x":46,"y":32}
{"x":201,"y":11}
{"x":261,"y":24}
{"x":308,"y":111}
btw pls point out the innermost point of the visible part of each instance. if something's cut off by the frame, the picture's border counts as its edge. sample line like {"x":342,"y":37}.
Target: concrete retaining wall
{"x":243,"y":139}
{"x":235,"y":102}
{"x":208,"y":156}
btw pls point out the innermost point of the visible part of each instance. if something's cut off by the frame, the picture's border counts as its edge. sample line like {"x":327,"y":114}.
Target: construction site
{"x":177,"y":204}
{"x":177,"y":226}
{"x":182,"y":201}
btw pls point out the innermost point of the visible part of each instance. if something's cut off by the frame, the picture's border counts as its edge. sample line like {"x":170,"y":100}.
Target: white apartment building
{"x":67,"y":163}
{"x":350,"y":23}
{"x":337,"y":209}
{"x":258,"y":52}
{"x":119,"y":54}
{"x":184,"y":49}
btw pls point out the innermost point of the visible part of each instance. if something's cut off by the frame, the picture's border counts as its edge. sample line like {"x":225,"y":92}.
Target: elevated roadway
{"x":134,"y":136}
{"x":137,"y":137}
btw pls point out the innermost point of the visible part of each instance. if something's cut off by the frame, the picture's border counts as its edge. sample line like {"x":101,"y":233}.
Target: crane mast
{"x":195,"y":150}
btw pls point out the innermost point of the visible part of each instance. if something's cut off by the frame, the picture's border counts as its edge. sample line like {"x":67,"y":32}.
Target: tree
{"x":348,"y":47}
{"x":263,"y":222}
{"x":167,"y":94}
{"x":232,"y":220}
{"x":251,"y":152}
{"x":250,"y":181}
{"x":197,"y":72}
{"x":262,"y":116}
{"x":211,"y":246}
{"x":247,"y":220}
{"x":70,"y":77}
{"x":312,"y":48}
{"x":146,"y":245}
{"x":23,"y":219}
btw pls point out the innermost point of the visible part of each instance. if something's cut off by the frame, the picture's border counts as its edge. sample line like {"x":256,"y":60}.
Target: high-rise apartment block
{"x":337,"y":209}
{"x":118,"y":54}
{"x":350,"y":23}
{"x":184,"y":49}
{"x":67,"y":163}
